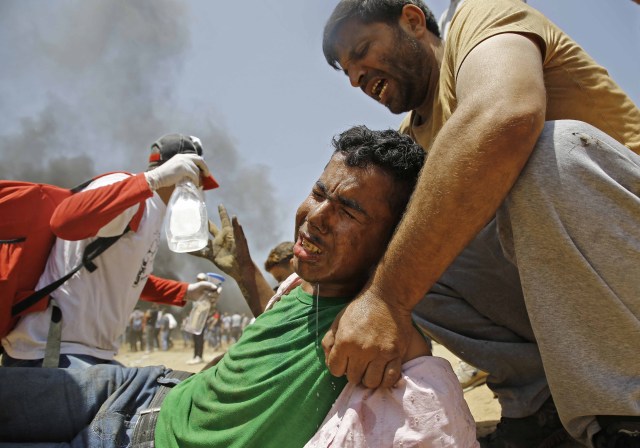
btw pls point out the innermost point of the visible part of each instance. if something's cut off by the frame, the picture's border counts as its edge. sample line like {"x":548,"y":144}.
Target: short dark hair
{"x":368,"y":11}
{"x":280,"y":254}
{"x":395,"y":153}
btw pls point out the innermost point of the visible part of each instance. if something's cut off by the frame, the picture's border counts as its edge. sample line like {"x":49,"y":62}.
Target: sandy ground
{"x":484,"y":407}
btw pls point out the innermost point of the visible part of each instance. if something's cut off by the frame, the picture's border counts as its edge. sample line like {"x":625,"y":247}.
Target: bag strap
{"x":54,"y":338}
{"x":92,"y":251}
{"x":78,"y":188}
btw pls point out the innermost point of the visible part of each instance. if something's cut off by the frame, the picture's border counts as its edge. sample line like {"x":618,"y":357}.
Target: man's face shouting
{"x":343,"y":227}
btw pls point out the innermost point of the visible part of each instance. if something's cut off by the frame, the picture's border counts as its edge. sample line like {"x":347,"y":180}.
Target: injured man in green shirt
{"x":272,"y":388}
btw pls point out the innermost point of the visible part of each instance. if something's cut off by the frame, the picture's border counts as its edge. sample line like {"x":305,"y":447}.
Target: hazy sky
{"x":86,"y":87}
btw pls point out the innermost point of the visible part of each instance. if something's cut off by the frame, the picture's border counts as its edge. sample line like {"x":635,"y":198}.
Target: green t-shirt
{"x":271,"y":389}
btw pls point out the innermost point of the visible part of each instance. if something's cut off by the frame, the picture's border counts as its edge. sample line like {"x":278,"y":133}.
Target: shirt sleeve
{"x":478,"y":20}
{"x":96,"y":209}
{"x":162,"y":290}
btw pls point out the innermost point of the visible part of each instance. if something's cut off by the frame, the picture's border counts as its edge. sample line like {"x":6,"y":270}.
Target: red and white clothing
{"x":96,"y":306}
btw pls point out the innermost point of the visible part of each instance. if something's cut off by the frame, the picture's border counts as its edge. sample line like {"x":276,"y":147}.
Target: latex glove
{"x":197,"y":290}
{"x":175,"y":169}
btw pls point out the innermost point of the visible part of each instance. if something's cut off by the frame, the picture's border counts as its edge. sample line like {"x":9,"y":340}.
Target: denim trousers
{"x":66,"y":361}
{"x":547,"y":297}
{"x":93,"y":407}
{"x":165,"y":340}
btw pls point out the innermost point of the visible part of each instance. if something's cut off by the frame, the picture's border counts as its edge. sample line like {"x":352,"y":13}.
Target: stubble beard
{"x":410,"y":64}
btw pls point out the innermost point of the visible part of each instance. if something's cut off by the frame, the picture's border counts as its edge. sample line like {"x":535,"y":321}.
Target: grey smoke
{"x":86,"y":87}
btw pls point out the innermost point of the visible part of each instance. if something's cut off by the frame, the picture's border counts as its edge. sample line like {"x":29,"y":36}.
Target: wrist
{"x":242,"y":272}
{"x":396,"y":298}
{"x":152,"y":181}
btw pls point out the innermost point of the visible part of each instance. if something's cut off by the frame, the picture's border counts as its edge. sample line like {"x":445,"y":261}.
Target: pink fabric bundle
{"x":426,"y":408}
{"x":285,"y":287}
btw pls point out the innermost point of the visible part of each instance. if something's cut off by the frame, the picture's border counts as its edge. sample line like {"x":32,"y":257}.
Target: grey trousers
{"x":547,"y":296}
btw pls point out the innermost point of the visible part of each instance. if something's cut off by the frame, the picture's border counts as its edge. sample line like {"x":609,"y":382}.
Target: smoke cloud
{"x":86,"y":87}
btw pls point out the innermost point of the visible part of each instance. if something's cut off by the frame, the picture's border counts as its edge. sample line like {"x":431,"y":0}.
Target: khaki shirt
{"x":577,"y":87}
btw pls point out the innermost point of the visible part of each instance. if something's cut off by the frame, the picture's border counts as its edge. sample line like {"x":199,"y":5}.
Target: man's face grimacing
{"x":343,"y":227}
{"x":387,"y":62}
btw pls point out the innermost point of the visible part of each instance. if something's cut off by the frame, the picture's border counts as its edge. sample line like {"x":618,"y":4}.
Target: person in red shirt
{"x":96,"y":305}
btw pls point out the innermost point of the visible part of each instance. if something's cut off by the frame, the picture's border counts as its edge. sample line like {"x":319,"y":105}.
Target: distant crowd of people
{"x":155,"y":329}
{"x":150,"y":330}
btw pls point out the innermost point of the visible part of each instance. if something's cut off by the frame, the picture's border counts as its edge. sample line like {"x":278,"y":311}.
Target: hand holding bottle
{"x":198,"y":290}
{"x":204,"y":294}
{"x":177,"y":168}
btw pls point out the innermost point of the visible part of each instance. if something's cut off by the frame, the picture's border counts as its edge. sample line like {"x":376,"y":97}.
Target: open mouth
{"x":310,"y":247}
{"x":379,"y":88}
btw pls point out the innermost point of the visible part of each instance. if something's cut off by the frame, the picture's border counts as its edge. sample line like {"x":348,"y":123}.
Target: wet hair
{"x":280,"y":254}
{"x":396,"y":154}
{"x":367,"y":12}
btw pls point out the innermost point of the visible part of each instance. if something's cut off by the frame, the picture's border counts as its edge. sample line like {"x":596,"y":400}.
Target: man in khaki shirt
{"x":524,"y":230}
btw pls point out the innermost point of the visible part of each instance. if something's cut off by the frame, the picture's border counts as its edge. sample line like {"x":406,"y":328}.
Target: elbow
{"x":518,"y":124}
{"x":69,"y":226}
{"x":64,"y":228}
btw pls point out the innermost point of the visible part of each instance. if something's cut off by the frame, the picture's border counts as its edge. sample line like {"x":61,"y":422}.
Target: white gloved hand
{"x":197,"y":290}
{"x":175,"y":169}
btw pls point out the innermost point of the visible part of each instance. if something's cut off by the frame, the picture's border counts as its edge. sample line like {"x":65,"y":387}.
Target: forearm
{"x":163,"y":290}
{"x":255,"y":289}
{"x":473,"y":163}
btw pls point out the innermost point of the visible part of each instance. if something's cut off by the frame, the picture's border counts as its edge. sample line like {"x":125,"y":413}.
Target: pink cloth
{"x":425,"y":409}
{"x":285,"y":287}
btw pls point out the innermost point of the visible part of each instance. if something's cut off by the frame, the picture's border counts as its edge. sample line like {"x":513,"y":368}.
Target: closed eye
{"x":348,"y":213}
{"x":361,"y":52}
{"x":318,"y":192}
{"x":356,"y":55}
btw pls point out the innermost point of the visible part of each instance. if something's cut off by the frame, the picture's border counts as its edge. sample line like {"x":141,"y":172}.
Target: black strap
{"x":145,"y":427}
{"x":82,"y":186}
{"x":93,"y":250}
{"x":54,"y":338}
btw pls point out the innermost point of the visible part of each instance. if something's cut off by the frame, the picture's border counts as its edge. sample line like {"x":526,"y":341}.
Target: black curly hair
{"x":395,"y":153}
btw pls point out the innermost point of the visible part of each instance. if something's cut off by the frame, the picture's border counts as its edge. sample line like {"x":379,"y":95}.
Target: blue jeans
{"x":165,"y":340}
{"x":66,"y":361}
{"x":93,"y":407}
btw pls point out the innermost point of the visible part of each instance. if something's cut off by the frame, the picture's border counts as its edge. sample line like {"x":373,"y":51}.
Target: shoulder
{"x":478,"y":20}
{"x":108,"y":179}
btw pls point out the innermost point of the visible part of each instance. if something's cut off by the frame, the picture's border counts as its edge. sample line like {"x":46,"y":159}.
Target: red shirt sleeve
{"x":83,"y":214}
{"x":162,"y":290}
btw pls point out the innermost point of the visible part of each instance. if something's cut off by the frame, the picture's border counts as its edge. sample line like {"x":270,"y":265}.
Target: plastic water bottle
{"x":186,"y":223}
{"x":199,"y":314}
